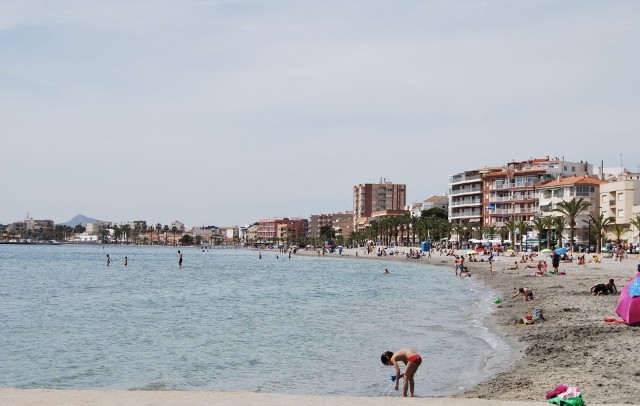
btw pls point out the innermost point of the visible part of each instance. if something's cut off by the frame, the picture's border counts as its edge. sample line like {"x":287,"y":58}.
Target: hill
{"x":79,"y":219}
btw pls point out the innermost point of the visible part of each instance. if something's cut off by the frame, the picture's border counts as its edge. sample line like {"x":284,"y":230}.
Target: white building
{"x":620,"y":199}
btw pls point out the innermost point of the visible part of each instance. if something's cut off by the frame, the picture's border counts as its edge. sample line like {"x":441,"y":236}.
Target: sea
{"x":228,"y":320}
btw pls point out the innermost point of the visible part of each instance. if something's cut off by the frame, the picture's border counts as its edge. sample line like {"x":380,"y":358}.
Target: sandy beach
{"x":573,"y":345}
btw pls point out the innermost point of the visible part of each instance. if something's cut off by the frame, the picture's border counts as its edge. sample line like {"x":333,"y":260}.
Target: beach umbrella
{"x":546,"y":251}
{"x":561,"y":251}
{"x":471,"y":252}
{"x":629,"y":302}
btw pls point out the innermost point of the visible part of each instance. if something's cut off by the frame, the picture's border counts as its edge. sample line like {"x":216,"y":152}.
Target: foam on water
{"x":227,"y":321}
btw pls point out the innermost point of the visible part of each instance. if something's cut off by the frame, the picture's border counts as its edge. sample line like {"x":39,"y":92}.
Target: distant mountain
{"x":79,"y":219}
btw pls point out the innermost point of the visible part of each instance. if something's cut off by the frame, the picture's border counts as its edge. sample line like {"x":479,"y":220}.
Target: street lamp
{"x":588,"y":234}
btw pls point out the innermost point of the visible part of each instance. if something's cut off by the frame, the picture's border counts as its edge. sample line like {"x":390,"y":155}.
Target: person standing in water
{"x":126,"y":261}
{"x":179,"y":259}
{"x":108,"y":260}
{"x":411,"y":359}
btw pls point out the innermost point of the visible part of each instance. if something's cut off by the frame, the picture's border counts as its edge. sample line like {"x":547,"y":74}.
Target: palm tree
{"x":117,"y":234}
{"x":126,"y":231}
{"x":571,"y":209}
{"x":414,"y":222}
{"x":635,"y":221}
{"x":539,"y":225}
{"x":548,"y":222}
{"x":174,"y":230}
{"x":618,"y":230}
{"x":560,"y":224}
{"x":522,"y":226}
{"x":458,"y":228}
{"x":490,"y":231}
{"x":600,"y":224}
{"x":158,"y":229}
{"x":511,"y":226}
{"x":150,"y":230}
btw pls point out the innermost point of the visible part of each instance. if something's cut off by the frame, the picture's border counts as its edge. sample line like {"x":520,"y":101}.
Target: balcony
{"x":466,"y":190}
{"x":464,"y":178}
{"x":466,"y":202}
{"x":505,"y":186}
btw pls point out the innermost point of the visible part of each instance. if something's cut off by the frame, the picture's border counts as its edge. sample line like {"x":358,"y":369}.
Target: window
{"x":620,"y":213}
{"x":604,"y":198}
{"x":583,"y":191}
{"x":620,"y":197}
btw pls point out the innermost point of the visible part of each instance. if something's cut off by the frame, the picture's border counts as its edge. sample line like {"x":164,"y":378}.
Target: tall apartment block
{"x":372,"y":197}
{"x":492,"y":196}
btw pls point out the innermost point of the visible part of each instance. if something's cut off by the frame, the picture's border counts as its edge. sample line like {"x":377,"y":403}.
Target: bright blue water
{"x":227,"y":321}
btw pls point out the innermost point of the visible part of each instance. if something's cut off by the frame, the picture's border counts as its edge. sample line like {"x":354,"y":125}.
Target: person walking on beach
{"x":411,"y":359}
{"x":108,"y":260}
{"x":179,"y":259}
{"x":555,"y":262}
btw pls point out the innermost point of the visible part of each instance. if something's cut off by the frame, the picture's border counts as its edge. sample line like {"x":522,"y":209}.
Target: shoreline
{"x":573,"y":346}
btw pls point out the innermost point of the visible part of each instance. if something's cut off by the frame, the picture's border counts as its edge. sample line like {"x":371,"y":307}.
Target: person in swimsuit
{"x":526,"y":292}
{"x":411,"y":359}
{"x":179,"y":259}
{"x":604,"y":288}
{"x":108,"y":260}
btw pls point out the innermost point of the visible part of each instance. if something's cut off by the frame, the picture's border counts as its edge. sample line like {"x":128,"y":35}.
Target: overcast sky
{"x":225,"y":112}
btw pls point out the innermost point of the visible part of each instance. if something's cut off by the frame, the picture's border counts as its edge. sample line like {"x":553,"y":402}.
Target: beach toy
{"x":393,"y":377}
{"x":497,"y":300}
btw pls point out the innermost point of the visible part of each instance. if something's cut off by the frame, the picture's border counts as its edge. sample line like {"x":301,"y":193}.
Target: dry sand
{"x":573,"y":346}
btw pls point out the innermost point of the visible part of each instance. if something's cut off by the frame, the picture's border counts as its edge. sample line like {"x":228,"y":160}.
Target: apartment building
{"x":284,"y":230}
{"x":465,"y":195}
{"x":511,"y":193}
{"x":439,"y":201}
{"x":619,"y":198}
{"x":375,"y":197}
{"x":560,"y":190}
{"x":342,"y":221}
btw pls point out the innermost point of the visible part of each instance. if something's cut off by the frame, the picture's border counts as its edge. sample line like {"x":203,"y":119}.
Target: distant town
{"x":531,"y":204}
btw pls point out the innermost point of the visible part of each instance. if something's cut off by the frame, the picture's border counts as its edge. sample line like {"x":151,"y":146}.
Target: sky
{"x":223,"y":112}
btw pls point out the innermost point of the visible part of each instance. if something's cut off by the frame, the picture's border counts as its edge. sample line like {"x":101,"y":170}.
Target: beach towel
{"x":558,"y":390}
{"x":575,"y":401}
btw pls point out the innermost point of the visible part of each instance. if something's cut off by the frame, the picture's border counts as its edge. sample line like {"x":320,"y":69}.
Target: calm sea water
{"x":228,"y":321}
